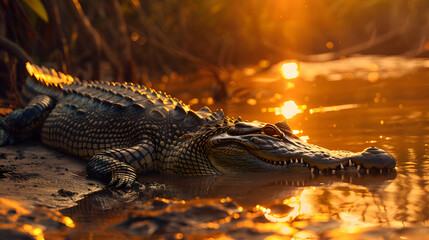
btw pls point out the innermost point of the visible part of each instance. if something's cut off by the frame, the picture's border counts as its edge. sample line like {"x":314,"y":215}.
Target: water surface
{"x":350,"y":104}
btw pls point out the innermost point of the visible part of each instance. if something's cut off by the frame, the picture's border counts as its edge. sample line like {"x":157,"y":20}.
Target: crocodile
{"x":125,"y":130}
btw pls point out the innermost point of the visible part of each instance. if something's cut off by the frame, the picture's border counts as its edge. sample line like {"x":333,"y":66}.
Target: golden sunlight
{"x":68,"y":222}
{"x":289,"y":70}
{"x":50,"y":77}
{"x":300,"y":204}
{"x":290,"y":109}
{"x":333,"y":108}
{"x":37,"y":233}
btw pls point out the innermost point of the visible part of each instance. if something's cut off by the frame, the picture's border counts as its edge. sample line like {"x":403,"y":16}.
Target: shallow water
{"x":351,"y":104}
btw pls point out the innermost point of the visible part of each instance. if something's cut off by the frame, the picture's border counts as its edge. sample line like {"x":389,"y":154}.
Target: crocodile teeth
{"x":350,"y":162}
{"x":333,"y":171}
{"x":358,"y":168}
{"x":312,"y":170}
{"x":342,"y":167}
{"x":296,"y":160}
{"x":367,"y":171}
{"x":302,"y":160}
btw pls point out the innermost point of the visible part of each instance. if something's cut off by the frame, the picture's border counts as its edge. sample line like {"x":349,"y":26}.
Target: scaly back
{"x":90,"y":117}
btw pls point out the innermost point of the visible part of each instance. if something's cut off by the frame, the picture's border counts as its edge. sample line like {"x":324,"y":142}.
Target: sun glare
{"x":289,"y":109}
{"x":289,"y":70}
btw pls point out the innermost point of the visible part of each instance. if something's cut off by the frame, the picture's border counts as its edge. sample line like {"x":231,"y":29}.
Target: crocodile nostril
{"x":373,"y":150}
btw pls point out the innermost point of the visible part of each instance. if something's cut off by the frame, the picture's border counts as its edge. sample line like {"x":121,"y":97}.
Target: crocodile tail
{"x":44,"y":81}
{"x":50,"y":77}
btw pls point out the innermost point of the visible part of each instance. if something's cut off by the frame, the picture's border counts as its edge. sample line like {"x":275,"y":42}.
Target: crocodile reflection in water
{"x":247,"y":189}
{"x":285,"y":202}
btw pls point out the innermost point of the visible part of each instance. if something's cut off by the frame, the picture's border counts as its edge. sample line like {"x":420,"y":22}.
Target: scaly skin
{"x":125,"y":130}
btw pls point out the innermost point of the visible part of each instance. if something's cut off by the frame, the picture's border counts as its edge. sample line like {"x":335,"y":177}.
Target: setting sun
{"x":289,"y":109}
{"x":289,"y":70}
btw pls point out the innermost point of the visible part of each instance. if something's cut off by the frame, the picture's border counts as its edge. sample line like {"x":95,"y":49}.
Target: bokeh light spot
{"x":329,"y":45}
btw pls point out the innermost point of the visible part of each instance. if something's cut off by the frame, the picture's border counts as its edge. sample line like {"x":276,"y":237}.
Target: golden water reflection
{"x":345,"y":208}
{"x":333,"y":108}
{"x":19,"y":220}
{"x":290,"y":109}
{"x":289,"y":70}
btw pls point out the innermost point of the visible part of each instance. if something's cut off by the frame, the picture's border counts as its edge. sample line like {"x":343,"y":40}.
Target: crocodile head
{"x":257,"y":147}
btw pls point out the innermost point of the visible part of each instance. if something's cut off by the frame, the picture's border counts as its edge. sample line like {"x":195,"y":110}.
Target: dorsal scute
{"x":96,"y":101}
{"x":105,"y":104}
{"x":169,"y":101}
{"x":178,"y":113}
{"x":205,"y":109}
{"x":159,"y":101}
{"x":219,"y":114}
{"x":137,"y":108}
{"x":144,"y":96}
{"x":86,"y":97}
{"x":163,"y":94}
{"x":192,"y":119}
{"x":128,"y":99}
{"x":158,"y":114}
{"x":149,"y":103}
{"x":118,"y":94}
{"x":152,"y":92}
{"x":117,"y":108}
{"x":80,"y":112}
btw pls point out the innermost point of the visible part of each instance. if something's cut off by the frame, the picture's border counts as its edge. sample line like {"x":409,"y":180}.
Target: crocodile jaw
{"x":257,"y":152}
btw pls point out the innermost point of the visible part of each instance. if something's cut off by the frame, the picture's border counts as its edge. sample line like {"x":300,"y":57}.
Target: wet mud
{"x":37,"y":176}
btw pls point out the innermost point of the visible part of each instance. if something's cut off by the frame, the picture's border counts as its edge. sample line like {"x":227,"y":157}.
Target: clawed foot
{"x":125,"y":183}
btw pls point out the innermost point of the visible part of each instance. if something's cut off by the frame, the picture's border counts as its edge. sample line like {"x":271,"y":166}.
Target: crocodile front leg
{"x":24,"y":123}
{"x":118,"y":167}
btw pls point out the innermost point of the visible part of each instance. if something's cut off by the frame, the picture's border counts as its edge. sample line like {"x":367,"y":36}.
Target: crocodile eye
{"x":284,"y":127}
{"x":270,"y":130}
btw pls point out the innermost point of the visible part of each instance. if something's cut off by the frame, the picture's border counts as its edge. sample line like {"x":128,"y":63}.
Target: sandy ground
{"x":38,"y":176}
